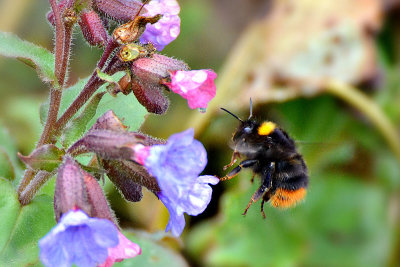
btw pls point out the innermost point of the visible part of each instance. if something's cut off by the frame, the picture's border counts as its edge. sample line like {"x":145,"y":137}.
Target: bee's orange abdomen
{"x":284,"y":198}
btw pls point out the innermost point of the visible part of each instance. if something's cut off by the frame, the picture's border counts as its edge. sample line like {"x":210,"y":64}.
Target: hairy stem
{"x":33,"y":187}
{"x":62,"y":50}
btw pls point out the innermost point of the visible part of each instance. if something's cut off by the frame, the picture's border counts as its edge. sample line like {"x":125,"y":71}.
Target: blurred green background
{"x":326,"y":71}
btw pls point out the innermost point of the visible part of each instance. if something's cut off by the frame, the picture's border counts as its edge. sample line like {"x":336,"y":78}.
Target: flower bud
{"x":146,"y":84}
{"x":129,"y":177}
{"x":109,"y":121}
{"x":151,"y":70}
{"x":97,"y":200}
{"x":120,"y":10}
{"x":150,"y":96}
{"x":108,"y":144}
{"x":93,"y":29}
{"x":70,"y":192}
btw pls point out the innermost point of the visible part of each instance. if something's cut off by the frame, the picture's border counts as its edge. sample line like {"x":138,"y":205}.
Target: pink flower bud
{"x":93,"y":29}
{"x":197,"y":86}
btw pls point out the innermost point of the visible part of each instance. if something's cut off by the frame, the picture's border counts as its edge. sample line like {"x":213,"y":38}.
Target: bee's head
{"x":247,"y":130}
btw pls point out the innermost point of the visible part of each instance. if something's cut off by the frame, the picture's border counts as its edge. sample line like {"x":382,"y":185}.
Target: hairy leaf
{"x":46,"y":158}
{"x":34,"y":56}
{"x":22,"y":227}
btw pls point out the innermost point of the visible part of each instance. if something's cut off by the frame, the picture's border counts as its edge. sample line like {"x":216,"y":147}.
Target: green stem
{"x":370,"y":109}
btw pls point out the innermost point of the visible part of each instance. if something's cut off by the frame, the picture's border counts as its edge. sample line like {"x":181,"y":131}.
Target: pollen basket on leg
{"x":266,"y":128}
{"x":287,"y":198}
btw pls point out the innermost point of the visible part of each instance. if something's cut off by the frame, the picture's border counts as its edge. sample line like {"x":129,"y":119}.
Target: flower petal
{"x":78,"y":239}
{"x":125,"y":249}
{"x":167,"y":28}
{"x":197,"y":86}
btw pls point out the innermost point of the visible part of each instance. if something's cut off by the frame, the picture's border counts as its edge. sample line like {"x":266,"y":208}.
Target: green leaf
{"x":22,"y":227}
{"x":153,"y":253}
{"x":6,"y":166}
{"x":125,"y":107}
{"x":46,"y":157}
{"x":9,"y":167}
{"x":34,"y":56}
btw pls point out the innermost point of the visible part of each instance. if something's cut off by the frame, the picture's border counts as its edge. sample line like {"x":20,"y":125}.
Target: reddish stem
{"x":62,"y":49}
{"x":90,"y":88}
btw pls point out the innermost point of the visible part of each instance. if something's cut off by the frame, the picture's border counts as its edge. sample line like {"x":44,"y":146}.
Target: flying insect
{"x":272,"y":155}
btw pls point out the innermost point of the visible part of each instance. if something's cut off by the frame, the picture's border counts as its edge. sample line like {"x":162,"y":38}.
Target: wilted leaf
{"x":301,"y":44}
{"x":35,"y":56}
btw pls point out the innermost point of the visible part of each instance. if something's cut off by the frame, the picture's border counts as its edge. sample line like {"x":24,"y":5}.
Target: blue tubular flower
{"x":167,"y":28}
{"x":78,"y":239}
{"x":177,"y":166}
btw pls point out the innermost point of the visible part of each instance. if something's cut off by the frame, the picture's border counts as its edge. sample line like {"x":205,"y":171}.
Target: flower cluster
{"x":87,"y":233}
{"x":77,"y":238}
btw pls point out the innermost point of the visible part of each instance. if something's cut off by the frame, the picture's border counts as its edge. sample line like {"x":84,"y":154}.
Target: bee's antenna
{"x":232,"y":114}
{"x":251,"y":108}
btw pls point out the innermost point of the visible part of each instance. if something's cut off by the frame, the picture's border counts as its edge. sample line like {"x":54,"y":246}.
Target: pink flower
{"x":197,"y":86}
{"x":125,"y":249}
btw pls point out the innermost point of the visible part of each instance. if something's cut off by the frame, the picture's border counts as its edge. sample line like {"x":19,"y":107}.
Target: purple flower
{"x":177,"y":166}
{"x":78,"y":239}
{"x":197,"y":86}
{"x":167,"y":28}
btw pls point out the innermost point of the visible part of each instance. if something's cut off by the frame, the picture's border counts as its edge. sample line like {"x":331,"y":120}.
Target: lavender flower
{"x":78,"y":239}
{"x":177,"y":166}
{"x":167,"y":28}
{"x":197,"y":86}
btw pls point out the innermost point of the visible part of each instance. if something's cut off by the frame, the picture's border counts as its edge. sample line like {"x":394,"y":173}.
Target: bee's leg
{"x":235,"y":156}
{"x":256,"y":196}
{"x":262,"y":208}
{"x":244,"y":164}
{"x":264,"y":190}
{"x":266,"y":198}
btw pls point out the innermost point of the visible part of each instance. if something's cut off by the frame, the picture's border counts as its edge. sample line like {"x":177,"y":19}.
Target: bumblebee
{"x":272,"y":155}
